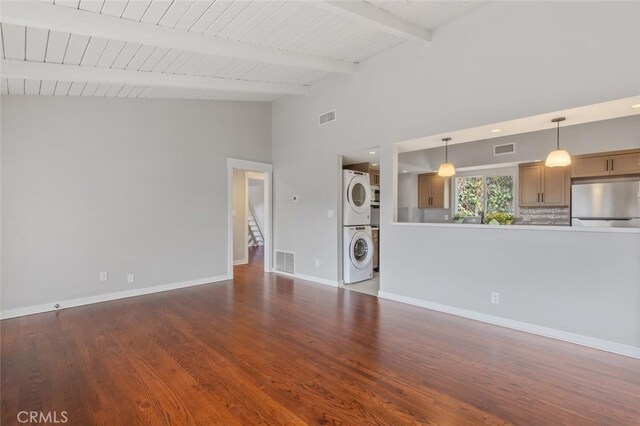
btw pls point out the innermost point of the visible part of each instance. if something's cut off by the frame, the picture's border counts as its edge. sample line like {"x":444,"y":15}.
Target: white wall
{"x":503,"y":61}
{"x":124,"y":186}
{"x":240,"y":230}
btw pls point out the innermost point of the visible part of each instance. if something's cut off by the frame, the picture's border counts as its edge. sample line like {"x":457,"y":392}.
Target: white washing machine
{"x":356,"y":190}
{"x":358,"y":254}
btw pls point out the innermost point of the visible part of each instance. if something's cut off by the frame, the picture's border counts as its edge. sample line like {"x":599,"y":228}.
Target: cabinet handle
{"x":607,"y":162}
{"x":612,"y":164}
{"x":538,"y":198}
{"x":543,"y":197}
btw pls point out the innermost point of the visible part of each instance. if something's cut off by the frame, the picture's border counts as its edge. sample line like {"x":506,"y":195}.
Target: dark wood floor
{"x":273,"y":350}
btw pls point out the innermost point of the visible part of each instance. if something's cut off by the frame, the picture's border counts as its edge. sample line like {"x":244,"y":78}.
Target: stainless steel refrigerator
{"x":610,"y":203}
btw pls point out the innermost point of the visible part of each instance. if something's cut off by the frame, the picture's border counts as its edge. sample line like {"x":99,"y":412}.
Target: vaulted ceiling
{"x":235,"y":50}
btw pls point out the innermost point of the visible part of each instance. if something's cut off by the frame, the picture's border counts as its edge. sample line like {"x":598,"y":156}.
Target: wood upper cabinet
{"x":424,"y":191}
{"x":439,"y":192}
{"x":433,"y":191}
{"x":625,"y":164}
{"x":606,"y":164}
{"x":589,"y":167}
{"x":556,"y":186}
{"x":530,"y":185}
{"x":375,"y":177}
{"x":541,"y":186}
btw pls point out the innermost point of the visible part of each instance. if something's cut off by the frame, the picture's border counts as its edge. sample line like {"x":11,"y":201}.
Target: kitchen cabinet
{"x":433,"y":191}
{"x":541,"y":186}
{"x":589,"y":167}
{"x":606,"y":164}
{"x":625,"y":164}
{"x":374,"y":174}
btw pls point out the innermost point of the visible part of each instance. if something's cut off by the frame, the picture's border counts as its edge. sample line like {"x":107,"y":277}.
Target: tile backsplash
{"x":544,"y":216}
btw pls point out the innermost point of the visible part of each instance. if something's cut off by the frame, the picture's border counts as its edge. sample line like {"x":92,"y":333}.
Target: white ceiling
{"x":237,"y":50}
{"x":580,"y":115}
{"x":585,"y":114}
{"x":366,"y":155}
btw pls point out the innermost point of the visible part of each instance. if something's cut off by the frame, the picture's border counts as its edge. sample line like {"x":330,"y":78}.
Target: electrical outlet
{"x":446,"y":217}
{"x":131,"y":278}
{"x":329,"y":213}
{"x":104,"y":276}
{"x":317,"y":263}
{"x":495,"y":297}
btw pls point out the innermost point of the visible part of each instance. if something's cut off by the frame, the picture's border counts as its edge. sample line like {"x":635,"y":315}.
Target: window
{"x":489,"y":194}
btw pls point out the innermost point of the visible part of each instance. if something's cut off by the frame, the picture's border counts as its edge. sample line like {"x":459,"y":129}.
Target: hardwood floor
{"x":273,"y":350}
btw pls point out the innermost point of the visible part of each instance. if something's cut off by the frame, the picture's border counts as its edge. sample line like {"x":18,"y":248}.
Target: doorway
{"x":249,"y":189}
{"x":359,"y":229}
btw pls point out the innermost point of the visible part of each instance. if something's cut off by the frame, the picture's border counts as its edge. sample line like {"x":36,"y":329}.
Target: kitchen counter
{"x":558,"y":228}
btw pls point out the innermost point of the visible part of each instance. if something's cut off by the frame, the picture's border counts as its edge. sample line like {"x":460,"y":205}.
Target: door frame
{"x":251,"y":166}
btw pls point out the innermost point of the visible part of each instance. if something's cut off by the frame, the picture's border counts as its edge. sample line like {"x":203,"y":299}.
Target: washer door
{"x":358,"y":194}
{"x":361,"y":250}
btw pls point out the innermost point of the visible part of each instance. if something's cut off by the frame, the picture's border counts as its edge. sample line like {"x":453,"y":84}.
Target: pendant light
{"x":559,"y":157}
{"x":446,"y":169}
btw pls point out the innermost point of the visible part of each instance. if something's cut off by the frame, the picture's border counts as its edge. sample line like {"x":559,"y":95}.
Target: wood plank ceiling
{"x":205,"y":49}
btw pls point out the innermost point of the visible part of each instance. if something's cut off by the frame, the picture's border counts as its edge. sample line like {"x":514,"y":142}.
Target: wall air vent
{"x":285,"y":261}
{"x":327,"y":117}
{"x":504,"y":149}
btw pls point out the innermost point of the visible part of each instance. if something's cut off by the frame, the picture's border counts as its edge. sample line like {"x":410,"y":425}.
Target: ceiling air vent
{"x":504,"y":149}
{"x":327,"y":117}
{"x":285,"y":261}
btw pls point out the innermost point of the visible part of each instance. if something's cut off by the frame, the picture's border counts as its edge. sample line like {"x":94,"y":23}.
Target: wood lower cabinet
{"x":606,"y":164}
{"x":541,"y":186}
{"x":433,"y":191}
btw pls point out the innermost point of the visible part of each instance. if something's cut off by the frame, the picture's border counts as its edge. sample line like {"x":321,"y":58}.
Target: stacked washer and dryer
{"x":356,"y":218}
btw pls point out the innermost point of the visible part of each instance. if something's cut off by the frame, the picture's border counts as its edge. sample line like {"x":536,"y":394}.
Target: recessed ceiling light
{"x":372,"y":152}
{"x":496,"y":130}
{"x":635,"y":106}
{"x":374,"y":164}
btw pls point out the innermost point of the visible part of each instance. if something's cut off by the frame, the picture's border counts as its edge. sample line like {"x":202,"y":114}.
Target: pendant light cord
{"x":446,"y":149}
{"x":558,"y":136}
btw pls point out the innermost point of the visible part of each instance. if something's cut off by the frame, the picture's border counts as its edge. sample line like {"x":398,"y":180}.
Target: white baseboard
{"x":70,"y":303}
{"x":579,"y":339}
{"x":240,"y":262}
{"x":308,"y":278}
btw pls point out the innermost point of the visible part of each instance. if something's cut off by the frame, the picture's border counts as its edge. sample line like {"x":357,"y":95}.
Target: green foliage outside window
{"x":490,"y":194}
{"x":470,"y":192}
{"x":499,"y":194}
